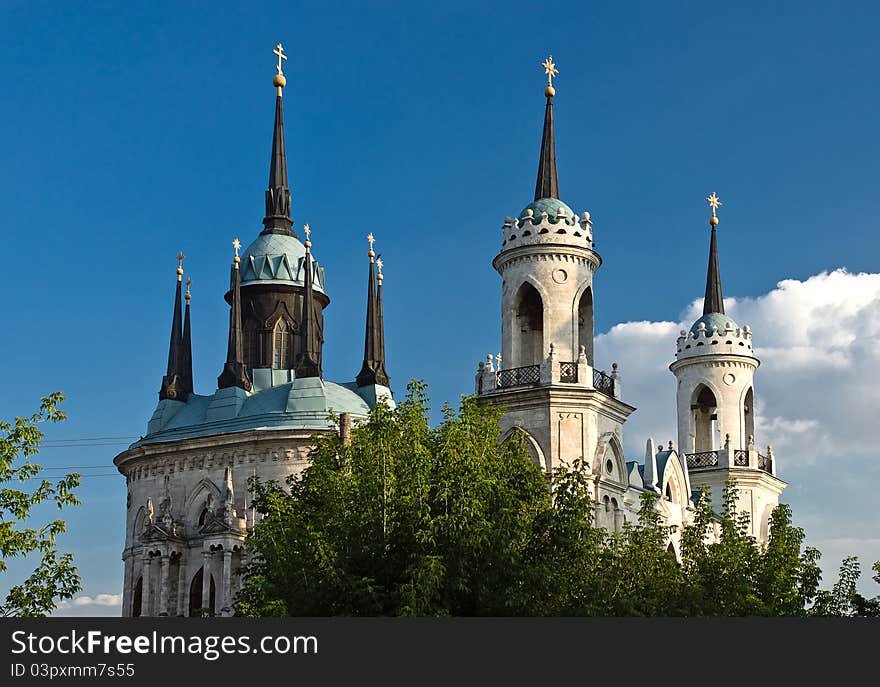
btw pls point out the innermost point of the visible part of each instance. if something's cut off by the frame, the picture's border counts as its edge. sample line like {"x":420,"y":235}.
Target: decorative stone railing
{"x":728,"y":457}
{"x":491,"y":377}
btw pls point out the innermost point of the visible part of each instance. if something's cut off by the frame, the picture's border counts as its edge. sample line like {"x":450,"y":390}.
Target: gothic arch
{"x":195,"y":502}
{"x":747,"y":407}
{"x":619,"y":472}
{"x":528,"y":325}
{"x":704,"y":410}
{"x":583,"y":320}
{"x":137,"y":524}
{"x":532,"y":445}
{"x":196,"y":602}
{"x":137,"y":597}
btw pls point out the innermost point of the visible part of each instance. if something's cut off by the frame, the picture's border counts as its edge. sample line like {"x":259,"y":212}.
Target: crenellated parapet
{"x":701,"y":340}
{"x":561,"y":227}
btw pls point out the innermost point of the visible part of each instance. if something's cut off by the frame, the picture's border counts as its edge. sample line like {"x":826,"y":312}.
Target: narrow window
{"x":280,"y":350}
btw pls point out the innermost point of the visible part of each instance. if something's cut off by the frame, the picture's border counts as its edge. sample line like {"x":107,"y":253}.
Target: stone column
{"x":182,"y":590}
{"x":127,"y":585}
{"x":206,"y":579}
{"x":145,"y":585}
{"x":163,"y":585}
{"x":227,"y":580}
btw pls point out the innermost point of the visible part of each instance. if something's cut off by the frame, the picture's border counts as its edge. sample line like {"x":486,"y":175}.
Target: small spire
{"x":234,"y":373}
{"x":186,"y":367}
{"x":277,"y":219}
{"x":373,"y":368}
{"x":308,"y":362}
{"x":173,"y":383}
{"x":713,"y":301}
{"x":547,"y":184}
{"x":382,"y":373}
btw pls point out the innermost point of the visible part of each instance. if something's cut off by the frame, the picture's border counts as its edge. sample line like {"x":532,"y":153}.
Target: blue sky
{"x":133,"y":130}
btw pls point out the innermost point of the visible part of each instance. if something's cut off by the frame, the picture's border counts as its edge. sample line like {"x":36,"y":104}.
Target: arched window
{"x":528,"y":336}
{"x":195,"y":595}
{"x":748,"y":417}
{"x":585,"y":324}
{"x":668,"y":492}
{"x":252,"y":357}
{"x":281,"y":346}
{"x":705,"y":419}
{"x":137,"y":596}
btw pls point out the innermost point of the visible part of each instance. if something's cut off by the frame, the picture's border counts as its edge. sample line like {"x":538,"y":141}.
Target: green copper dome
{"x":549,"y":205}
{"x":277,"y":259}
{"x":714,"y":319}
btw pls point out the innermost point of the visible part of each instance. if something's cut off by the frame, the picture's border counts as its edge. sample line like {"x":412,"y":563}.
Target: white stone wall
{"x":196,"y":470}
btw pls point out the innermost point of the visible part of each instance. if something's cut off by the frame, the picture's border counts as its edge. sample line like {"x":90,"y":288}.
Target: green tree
{"x":55,"y":576}
{"x":409,"y":520}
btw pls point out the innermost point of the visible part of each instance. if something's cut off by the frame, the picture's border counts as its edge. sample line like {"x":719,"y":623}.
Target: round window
{"x":609,"y":466}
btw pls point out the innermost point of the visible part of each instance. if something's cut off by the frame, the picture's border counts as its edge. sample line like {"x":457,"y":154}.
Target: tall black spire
{"x":186,"y":356}
{"x":308,"y":362}
{"x":174,"y":385}
{"x":547,"y":185}
{"x":373,"y":368}
{"x":234,"y":373}
{"x":277,"y":219}
{"x":713,"y":301}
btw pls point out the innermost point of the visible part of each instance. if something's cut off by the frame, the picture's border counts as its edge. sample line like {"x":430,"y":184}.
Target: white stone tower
{"x":715,"y":368}
{"x":563,"y":408}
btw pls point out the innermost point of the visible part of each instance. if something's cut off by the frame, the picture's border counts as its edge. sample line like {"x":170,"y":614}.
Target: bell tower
{"x":553,"y":398}
{"x":715,"y":368}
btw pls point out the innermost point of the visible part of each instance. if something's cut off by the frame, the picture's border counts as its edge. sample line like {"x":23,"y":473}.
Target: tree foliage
{"x":412,"y":520}
{"x":55,"y":577}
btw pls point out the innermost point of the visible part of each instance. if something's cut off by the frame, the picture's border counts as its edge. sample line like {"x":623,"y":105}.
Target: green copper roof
{"x":279,"y":407}
{"x":714,"y":319}
{"x":277,"y":259}
{"x":550,"y":206}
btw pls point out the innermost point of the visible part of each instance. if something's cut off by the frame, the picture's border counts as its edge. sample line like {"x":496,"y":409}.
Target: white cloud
{"x":817,"y":396}
{"x":100,"y":605}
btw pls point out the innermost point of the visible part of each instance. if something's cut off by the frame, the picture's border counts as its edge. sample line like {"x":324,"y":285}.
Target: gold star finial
{"x":279,"y":81}
{"x":307,"y":230}
{"x":379,"y":265}
{"x":715,"y":203}
{"x":372,"y":240}
{"x":237,"y":245}
{"x":180,"y":257}
{"x":550,"y":70}
{"x":188,"y":282}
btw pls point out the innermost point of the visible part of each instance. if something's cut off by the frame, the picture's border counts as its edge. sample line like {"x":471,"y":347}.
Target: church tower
{"x":545,"y":378}
{"x":715,"y":368}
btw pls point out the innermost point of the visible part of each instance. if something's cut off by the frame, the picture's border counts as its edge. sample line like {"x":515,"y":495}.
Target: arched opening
{"x":137,"y":597}
{"x":195,"y":595}
{"x":616,"y":516}
{"x":529,"y":330}
{"x":281,"y":345}
{"x":748,"y":417}
{"x":252,"y":354}
{"x":705,"y":419}
{"x":668,"y":492}
{"x":585,"y":323}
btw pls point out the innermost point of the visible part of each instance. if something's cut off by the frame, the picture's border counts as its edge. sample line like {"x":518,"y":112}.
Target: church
{"x":187,"y":503}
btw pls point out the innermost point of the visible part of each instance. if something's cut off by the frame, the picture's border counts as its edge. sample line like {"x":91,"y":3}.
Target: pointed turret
{"x":277,"y":219}
{"x":713,"y":301}
{"x":547,"y":185}
{"x":234,"y":373}
{"x":174,"y":385}
{"x":373,"y":368}
{"x":308,"y":362}
{"x":380,"y":323}
{"x":186,"y":366}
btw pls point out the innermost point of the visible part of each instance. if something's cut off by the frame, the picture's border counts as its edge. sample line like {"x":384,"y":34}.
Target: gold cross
{"x":371,"y":240}
{"x":714,"y":201}
{"x":307,"y":231}
{"x":279,"y":50}
{"x":180,"y":257}
{"x":236,"y":244}
{"x":549,"y":69}
{"x":379,"y":263}
{"x":188,"y":282}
